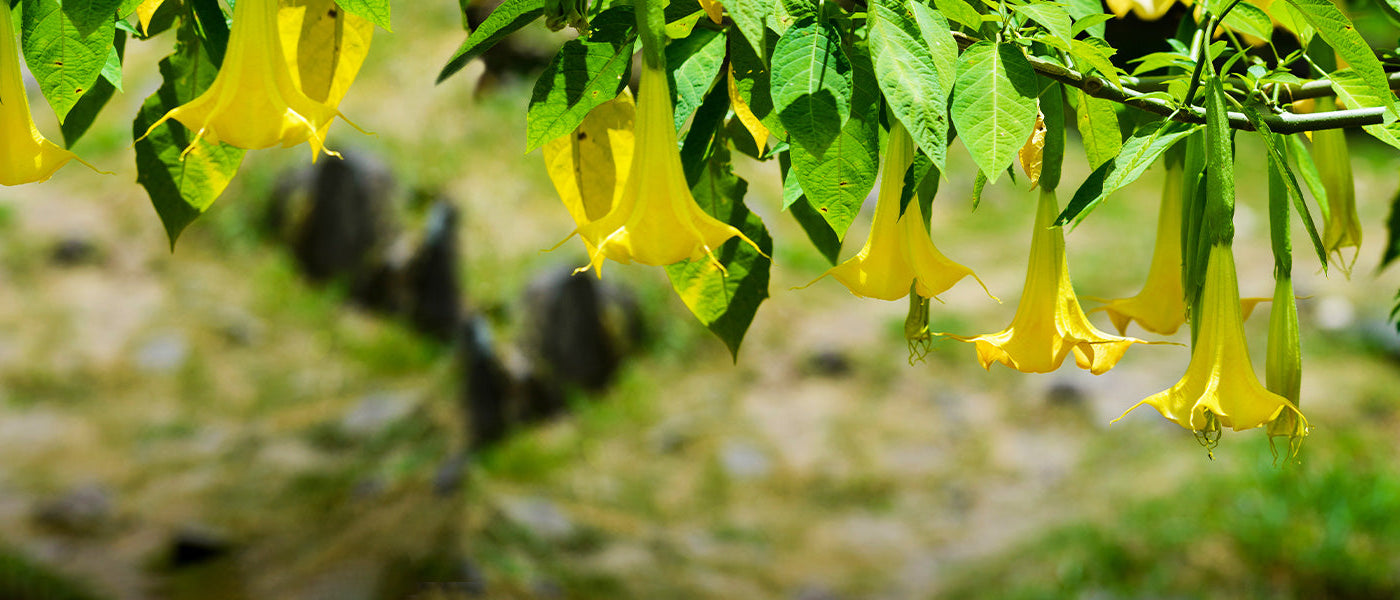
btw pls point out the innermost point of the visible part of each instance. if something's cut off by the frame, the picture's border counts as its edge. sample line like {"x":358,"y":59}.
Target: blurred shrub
{"x":21,"y":579}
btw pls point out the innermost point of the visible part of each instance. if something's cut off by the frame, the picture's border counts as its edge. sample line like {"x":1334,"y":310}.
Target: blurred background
{"x":365,"y":380}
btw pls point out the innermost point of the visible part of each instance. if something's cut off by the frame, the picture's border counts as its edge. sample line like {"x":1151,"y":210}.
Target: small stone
{"x":828,"y":363}
{"x":83,"y":511}
{"x":814,"y":592}
{"x":163,"y":354}
{"x":539,"y":516}
{"x":744,"y":461}
{"x":1063,"y":394}
{"x":375,"y":413}
{"x":196,"y":544}
{"x":450,"y":475}
{"x":75,"y":250}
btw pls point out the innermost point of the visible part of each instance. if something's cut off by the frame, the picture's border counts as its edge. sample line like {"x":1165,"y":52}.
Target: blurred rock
{"x":335,"y":214}
{"x":434,"y":294}
{"x":163,"y":354}
{"x":196,"y":544}
{"x":827,"y":363}
{"x":75,"y":250}
{"x":83,"y":511}
{"x":375,"y":413}
{"x":814,"y":592}
{"x":538,"y":516}
{"x":487,"y":388}
{"x":448,"y":478}
{"x":742,"y":460}
{"x":240,"y":327}
{"x":1063,"y":394}
{"x":577,"y":328}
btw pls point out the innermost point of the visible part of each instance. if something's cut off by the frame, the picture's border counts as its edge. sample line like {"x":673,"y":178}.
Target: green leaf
{"x":1219,"y":220}
{"x":1088,"y":16}
{"x":182,"y":181}
{"x":691,"y":66}
{"x":960,"y":12}
{"x":375,"y":11}
{"x":812,"y":83}
{"x":1139,"y":152}
{"x":508,"y":18}
{"x":751,"y":18}
{"x":1355,"y":93}
{"x":836,"y":179}
{"x":1307,"y":169}
{"x":752,"y":81}
{"x":909,"y":78}
{"x":979,"y":184}
{"x":65,"y":62}
{"x":82,"y":115}
{"x":90,"y":15}
{"x":1392,"y":228}
{"x":817,"y":228}
{"x":939,"y":38}
{"x":213,"y":27}
{"x":1053,"y":17}
{"x":1098,"y":127}
{"x":727,"y":299}
{"x":1250,"y":19}
{"x":1293,"y":21}
{"x":1278,"y":161}
{"x":1052,"y":105}
{"x":994,"y":104}
{"x":585,"y":73}
{"x":1097,"y":55}
{"x":1337,"y":30}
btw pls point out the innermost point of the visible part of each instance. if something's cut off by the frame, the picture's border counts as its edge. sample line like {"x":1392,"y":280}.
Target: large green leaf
{"x":817,"y":228}
{"x":508,"y":18}
{"x":85,"y":111}
{"x":994,"y":104}
{"x":938,"y":35}
{"x":1250,"y":19}
{"x":753,"y":84}
{"x":585,"y":73}
{"x":182,"y":175}
{"x":960,"y":12}
{"x":751,"y":18}
{"x":837,"y":178}
{"x":1098,"y":128}
{"x":89,"y":15}
{"x":725,"y":298}
{"x":64,"y":61}
{"x":692,"y":64}
{"x":910,"y":79}
{"x":1139,"y":152}
{"x":1354,"y":93}
{"x":1054,"y":17}
{"x":1088,"y":16}
{"x":375,"y":11}
{"x":811,"y":83}
{"x":1337,"y":30}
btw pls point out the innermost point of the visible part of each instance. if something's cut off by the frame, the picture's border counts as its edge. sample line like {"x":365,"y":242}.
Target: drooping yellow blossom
{"x":25,"y":155}
{"x":1147,"y":10}
{"x":1342,"y":228}
{"x":1049,"y":323}
{"x":145,"y":11}
{"x":655,"y":220}
{"x":899,"y":252}
{"x":589,"y":166}
{"x":254,"y":101}
{"x":1161,"y":305}
{"x":1219,"y":387}
{"x":1283,"y":363}
{"x":324,"y":47}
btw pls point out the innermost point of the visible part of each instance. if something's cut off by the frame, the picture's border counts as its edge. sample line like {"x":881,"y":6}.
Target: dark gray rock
{"x":83,"y":511}
{"x":75,"y":250}
{"x":577,"y":329}
{"x":487,"y":388}
{"x":196,"y":544}
{"x":434,"y":293}
{"x":346,"y":217}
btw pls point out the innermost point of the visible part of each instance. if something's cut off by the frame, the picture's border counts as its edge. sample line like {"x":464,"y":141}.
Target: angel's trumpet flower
{"x":1049,"y":323}
{"x":899,"y":252}
{"x":25,"y":156}
{"x":1147,"y":10}
{"x":1161,"y":305}
{"x":589,"y":166}
{"x":1220,"y":387}
{"x":254,"y":101}
{"x":655,"y":220}
{"x":1330,"y":153}
{"x":1283,"y":362}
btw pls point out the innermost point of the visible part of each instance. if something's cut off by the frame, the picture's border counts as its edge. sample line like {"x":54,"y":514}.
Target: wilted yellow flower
{"x":1049,"y":323}
{"x":25,"y":156}
{"x":899,"y":252}
{"x":1333,"y":159}
{"x":1147,"y":10}
{"x":1161,"y":305}
{"x":254,"y":101}
{"x":655,"y":220}
{"x":1219,"y":387}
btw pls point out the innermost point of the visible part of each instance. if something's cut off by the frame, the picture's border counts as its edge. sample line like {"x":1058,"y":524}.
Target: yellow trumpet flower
{"x":254,"y":101}
{"x":1147,"y":10}
{"x":655,"y":220}
{"x":1161,"y":305}
{"x":25,"y":156}
{"x":1220,"y":387}
{"x":899,"y":253}
{"x":1049,"y":323}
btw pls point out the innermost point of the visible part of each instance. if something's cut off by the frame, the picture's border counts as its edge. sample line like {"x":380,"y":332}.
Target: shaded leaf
{"x":585,"y":73}
{"x":508,"y":18}
{"x":811,"y":83}
{"x":994,"y":104}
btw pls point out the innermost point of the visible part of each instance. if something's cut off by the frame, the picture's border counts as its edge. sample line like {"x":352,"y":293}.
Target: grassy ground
{"x":214,"y":388}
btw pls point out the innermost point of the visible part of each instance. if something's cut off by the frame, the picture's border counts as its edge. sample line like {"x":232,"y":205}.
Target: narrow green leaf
{"x":1392,"y":229}
{"x":811,"y":83}
{"x":817,"y":228}
{"x":585,"y":73}
{"x":1219,"y":220}
{"x":64,"y":61}
{"x":1088,"y":16}
{"x":1337,"y":30}
{"x":1250,"y":19}
{"x":1278,"y":161}
{"x":960,"y":12}
{"x":375,"y":11}
{"x":691,"y":66}
{"x":909,"y":78}
{"x":994,"y":104}
{"x":508,"y":18}
{"x":1053,"y":17}
{"x":1307,"y":169}
{"x":1139,"y":152}
{"x":751,"y":18}
{"x":1098,"y":55}
{"x":727,"y":299}
{"x":1293,"y":21}
{"x":979,"y":184}
{"x":836,"y":179}
{"x":182,"y":181}
{"x":1098,"y":127}
{"x":88,"y":16}
{"x":938,"y":36}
